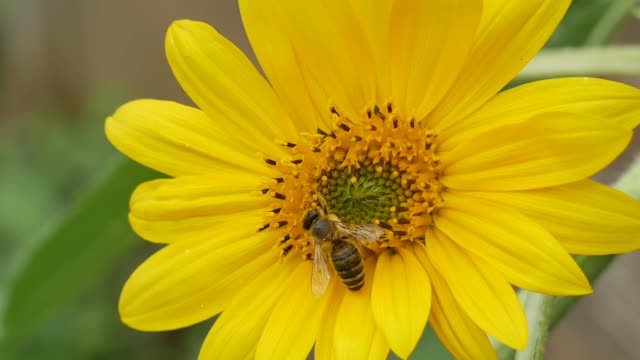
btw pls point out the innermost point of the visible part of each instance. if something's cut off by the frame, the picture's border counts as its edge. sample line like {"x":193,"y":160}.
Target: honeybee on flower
{"x":389,"y":110}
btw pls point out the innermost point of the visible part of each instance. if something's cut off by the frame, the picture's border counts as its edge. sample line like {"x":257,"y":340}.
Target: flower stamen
{"x":378,"y":169}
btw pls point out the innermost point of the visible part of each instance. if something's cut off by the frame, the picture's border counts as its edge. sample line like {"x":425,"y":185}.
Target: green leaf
{"x":591,"y":22}
{"x":86,"y":244}
{"x":429,"y":347}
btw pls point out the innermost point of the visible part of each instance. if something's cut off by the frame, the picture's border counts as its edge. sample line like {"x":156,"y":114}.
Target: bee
{"x":335,"y":241}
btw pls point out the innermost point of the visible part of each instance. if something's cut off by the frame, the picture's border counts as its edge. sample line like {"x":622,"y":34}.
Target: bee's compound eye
{"x":309,"y":218}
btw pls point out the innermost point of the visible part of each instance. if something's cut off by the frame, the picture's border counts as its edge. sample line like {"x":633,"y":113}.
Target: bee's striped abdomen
{"x":348,"y":263}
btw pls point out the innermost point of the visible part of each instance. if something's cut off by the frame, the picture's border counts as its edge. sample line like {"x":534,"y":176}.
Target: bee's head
{"x":309,"y":218}
{"x":317,"y":224}
{"x":322,"y":229}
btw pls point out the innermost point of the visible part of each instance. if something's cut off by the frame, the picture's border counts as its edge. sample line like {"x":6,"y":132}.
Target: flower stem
{"x":538,"y":309}
{"x":589,"y":61}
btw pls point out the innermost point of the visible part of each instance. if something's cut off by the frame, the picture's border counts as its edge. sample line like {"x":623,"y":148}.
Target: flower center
{"x":378,"y":169}
{"x":364,"y":195}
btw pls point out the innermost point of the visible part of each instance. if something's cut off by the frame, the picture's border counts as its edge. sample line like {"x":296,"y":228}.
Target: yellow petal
{"x":618,"y":103}
{"x":544,"y":150}
{"x":526,"y":254}
{"x":330,"y":46}
{"x":370,"y":15}
{"x":278,"y":60}
{"x":357,"y":336}
{"x":510,"y":35}
{"x":482,"y":292}
{"x":165,"y":210}
{"x":178,"y":140}
{"x":223,"y":82}
{"x":430,"y":41}
{"x":192,"y":280}
{"x":586,"y":217}
{"x":238,"y":329}
{"x":324,"y":348}
{"x":293,"y":325}
{"x":457,"y":332}
{"x":400,"y":299}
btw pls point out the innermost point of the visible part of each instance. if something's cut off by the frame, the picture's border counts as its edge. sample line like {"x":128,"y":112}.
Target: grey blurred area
{"x":63,"y":51}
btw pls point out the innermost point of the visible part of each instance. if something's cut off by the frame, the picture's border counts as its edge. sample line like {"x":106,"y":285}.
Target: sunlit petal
{"x":544,"y":150}
{"x":178,"y":140}
{"x":430,"y":41}
{"x":168,"y":290}
{"x":166,"y":210}
{"x":510,"y":34}
{"x":458,"y":333}
{"x":482,"y":292}
{"x":400,"y":299}
{"x":526,"y":254}
{"x":610,"y":100}
{"x":290,"y":334}
{"x":223,"y":82}
{"x":586,"y":217}
{"x":237,"y":330}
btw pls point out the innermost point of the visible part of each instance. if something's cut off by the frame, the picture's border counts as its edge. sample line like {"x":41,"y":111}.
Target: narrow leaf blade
{"x":82,"y":247}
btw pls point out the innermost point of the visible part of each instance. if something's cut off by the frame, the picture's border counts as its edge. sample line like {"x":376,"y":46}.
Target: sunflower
{"x":387,"y":114}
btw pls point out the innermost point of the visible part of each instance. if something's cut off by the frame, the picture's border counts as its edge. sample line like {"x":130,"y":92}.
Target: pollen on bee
{"x":354,"y":179}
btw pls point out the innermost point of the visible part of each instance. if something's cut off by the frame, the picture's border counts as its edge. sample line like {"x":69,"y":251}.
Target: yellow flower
{"x":389,"y":111}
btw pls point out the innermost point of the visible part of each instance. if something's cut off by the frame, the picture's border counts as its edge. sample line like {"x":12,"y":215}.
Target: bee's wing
{"x":320,"y":274}
{"x":364,"y":233}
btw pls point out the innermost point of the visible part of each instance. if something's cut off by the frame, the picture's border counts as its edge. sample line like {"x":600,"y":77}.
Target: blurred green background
{"x":67,"y":64}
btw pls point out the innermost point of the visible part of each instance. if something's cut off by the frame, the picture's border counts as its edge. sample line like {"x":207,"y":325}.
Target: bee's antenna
{"x":322,"y":202}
